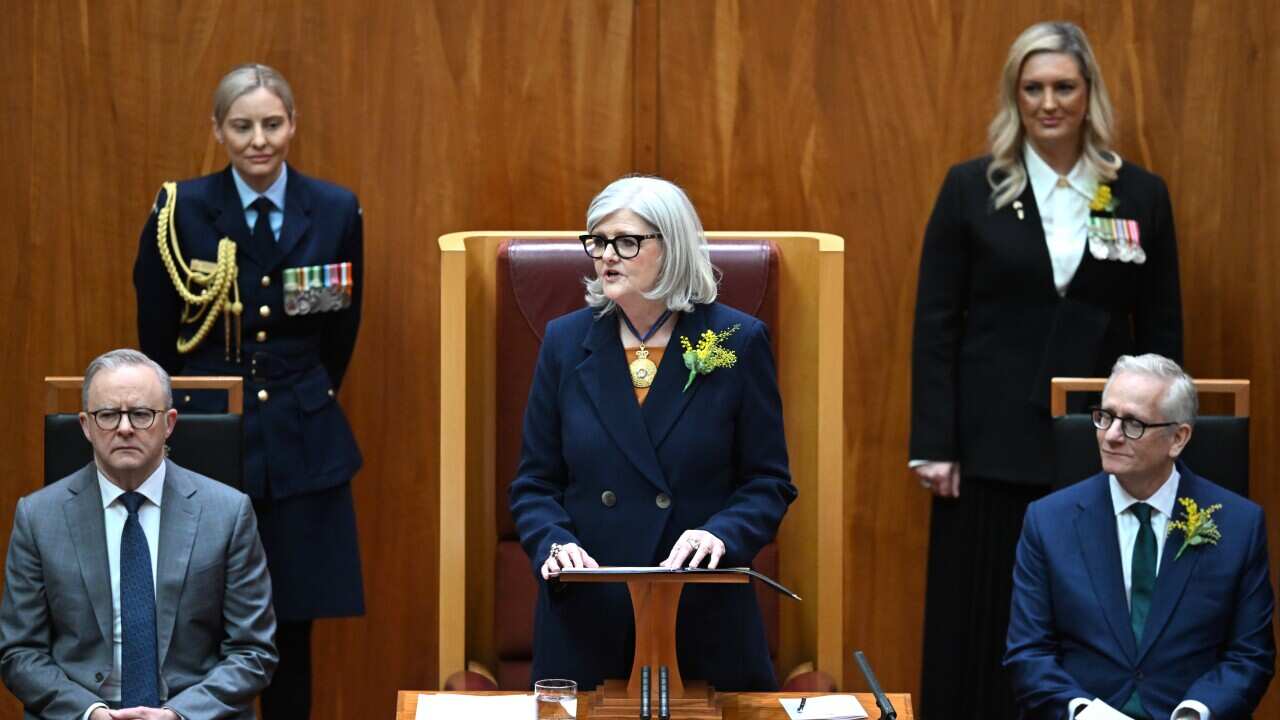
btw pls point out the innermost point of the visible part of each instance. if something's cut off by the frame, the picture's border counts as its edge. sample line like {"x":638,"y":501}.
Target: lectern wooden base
{"x":612,"y":701}
{"x":655,"y":598}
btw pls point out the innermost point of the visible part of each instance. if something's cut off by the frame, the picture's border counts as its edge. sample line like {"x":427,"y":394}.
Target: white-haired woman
{"x":255,"y":271}
{"x":1049,"y":257}
{"x":637,"y":452}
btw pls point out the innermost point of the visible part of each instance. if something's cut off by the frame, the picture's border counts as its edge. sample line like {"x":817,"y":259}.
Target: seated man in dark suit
{"x":84,"y":630}
{"x":1145,"y":586}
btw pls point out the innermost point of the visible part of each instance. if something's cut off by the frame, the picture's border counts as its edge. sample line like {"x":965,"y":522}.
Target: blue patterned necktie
{"x":139,"y":672}
{"x":1143,"y":586}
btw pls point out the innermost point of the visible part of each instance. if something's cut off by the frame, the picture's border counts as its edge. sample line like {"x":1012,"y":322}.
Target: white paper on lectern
{"x":476,"y":707}
{"x":825,"y":707}
{"x":1099,"y":710}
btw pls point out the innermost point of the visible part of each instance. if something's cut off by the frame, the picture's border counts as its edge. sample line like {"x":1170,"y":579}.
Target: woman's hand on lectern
{"x":566,"y":556}
{"x":698,"y":543}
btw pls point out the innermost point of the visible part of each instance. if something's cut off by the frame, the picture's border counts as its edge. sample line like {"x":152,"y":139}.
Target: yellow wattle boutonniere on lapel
{"x":1197,"y":525}
{"x":1102,"y":200}
{"x":709,"y":355}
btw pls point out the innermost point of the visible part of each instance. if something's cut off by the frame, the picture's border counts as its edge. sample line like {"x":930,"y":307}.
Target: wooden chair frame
{"x":56,"y":385}
{"x":1060,"y":386}
{"x":810,"y":357}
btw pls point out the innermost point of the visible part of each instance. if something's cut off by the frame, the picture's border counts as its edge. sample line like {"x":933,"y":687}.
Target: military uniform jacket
{"x":297,"y":439}
{"x":991,"y":329}
{"x":624,"y":480}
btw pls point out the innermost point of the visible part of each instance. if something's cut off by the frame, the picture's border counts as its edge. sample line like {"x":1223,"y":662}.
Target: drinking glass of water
{"x":556,"y":699}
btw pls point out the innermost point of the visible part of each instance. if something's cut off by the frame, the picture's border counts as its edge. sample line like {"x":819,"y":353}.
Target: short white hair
{"x":1180,"y":403}
{"x":113,"y":359}
{"x":687,"y":277}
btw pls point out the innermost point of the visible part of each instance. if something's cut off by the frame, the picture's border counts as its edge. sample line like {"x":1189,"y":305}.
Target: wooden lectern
{"x":655,"y":599}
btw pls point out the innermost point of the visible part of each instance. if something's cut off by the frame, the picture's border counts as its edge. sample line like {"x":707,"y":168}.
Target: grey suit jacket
{"x":214,"y":621}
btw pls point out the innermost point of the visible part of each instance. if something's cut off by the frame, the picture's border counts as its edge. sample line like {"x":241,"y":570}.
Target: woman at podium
{"x":652,"y":436}
{"x":255,"y":271}
{"x":1051,"y":256}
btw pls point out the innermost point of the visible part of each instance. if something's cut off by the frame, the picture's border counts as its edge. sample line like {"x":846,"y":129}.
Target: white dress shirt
{"x":1162,"y":502}
{"x":114,"y":515}
{"x":1063,"y":201}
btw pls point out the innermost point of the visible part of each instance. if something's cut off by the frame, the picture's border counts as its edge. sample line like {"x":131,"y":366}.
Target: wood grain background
{"x":468,"y":114}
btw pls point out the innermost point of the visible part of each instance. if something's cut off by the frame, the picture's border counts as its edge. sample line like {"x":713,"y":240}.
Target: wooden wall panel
{"x":456,"y":114}
{"x":843,"y":117}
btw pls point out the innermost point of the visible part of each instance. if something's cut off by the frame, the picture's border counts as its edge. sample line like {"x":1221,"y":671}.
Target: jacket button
{"x":608,"y":499}
{"x":262,"y":336}
{"x":97,"y":676}
{"x":662,"y":501}
{"x":266,"y":281}
{"x":264,"y":311}
{"x":262,"y":396}
{"x":1140,"y":677}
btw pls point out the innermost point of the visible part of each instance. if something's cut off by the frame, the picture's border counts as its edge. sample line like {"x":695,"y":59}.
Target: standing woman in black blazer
{"x":256,"y":271}
{"x":1049,"y":257}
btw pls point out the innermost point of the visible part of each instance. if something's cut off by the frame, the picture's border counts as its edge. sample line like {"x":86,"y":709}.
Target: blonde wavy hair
{"x":1006,"y":174}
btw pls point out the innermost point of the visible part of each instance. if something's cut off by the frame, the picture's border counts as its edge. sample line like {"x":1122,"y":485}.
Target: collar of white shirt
{"x":1044,"y":179}
{"x":1162,"y":500}
{"x":152,"y":488}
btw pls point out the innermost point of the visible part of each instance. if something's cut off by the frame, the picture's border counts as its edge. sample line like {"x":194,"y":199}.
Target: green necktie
{"x":1143,"y":584}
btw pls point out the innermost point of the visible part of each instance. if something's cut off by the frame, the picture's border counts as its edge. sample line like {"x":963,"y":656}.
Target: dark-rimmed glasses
{"x":139,"y":418}
{"x":626,"y":246}
{"x":1133,"y":428}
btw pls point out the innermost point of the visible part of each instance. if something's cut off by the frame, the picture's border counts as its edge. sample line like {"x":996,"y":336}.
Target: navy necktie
{"x":139,"y":671}
{"x":263,"y":238}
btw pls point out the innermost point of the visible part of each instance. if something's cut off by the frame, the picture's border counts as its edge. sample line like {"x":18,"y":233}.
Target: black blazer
{"x":991,"y":330}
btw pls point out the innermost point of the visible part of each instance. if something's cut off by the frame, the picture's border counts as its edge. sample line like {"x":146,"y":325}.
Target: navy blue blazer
{"x":1208,"y":636}
{"x":298,"y":443}
{"x":991,"y":329}
{"x":717,"y":452}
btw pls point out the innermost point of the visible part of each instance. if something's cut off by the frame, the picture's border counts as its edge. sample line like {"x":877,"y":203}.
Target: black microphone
{"x":886,"y":708}
{"x":645,"y":712}
{"x":664,"y":709}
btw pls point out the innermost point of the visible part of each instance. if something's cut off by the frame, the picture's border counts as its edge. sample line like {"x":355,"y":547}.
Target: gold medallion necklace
{"x":643,"y":370}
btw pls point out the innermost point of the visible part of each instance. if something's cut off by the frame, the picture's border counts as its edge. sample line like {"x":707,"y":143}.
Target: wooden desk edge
{"x":737,"y":705}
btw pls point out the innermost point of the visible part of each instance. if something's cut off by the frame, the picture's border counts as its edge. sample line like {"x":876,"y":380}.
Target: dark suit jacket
{"x":297,"y":441}
{"x":991,"y":330}
{"x":1208,"y":636}
{"x":717,"y":451}
{"x":214,"y":622}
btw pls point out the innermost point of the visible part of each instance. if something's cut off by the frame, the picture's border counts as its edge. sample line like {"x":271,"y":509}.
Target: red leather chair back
{"x":539,"y":280}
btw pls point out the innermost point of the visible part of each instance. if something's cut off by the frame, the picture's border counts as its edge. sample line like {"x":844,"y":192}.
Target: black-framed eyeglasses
{"x":1133,"y":428}
{"x":626,"y":246}
{"x":139,"y":418}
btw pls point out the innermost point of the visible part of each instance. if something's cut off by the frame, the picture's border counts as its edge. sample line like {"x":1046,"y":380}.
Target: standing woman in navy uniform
{"x":1051,"y":257}
{"x":632,"y":457}
{"x":255,"y":271}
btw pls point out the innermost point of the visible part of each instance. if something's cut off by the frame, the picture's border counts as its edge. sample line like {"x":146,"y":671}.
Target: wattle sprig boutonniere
{"x":1102,"y":200}
{"x":1197,"y":525}
{"x":709,"y":355}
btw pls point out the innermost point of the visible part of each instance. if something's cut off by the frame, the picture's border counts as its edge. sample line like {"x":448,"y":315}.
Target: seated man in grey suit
{"x":84,"y":630}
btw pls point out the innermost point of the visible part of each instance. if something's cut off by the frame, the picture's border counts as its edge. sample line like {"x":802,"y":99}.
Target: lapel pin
{"x":1017,"y":206}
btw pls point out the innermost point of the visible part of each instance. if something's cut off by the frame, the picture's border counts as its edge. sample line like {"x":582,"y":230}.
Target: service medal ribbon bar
{"x":317,"y":288}
{"x":1115,"y":239}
